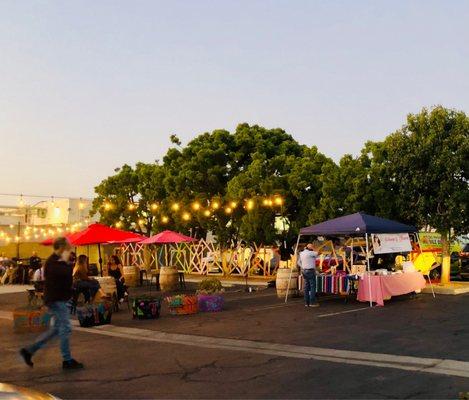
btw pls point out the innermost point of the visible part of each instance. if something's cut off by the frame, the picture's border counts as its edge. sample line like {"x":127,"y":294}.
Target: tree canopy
{"x":238,"y":184}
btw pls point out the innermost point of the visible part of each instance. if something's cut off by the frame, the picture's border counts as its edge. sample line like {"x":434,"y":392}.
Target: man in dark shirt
{"x":57,"y":292}
{"x":34,"y":261}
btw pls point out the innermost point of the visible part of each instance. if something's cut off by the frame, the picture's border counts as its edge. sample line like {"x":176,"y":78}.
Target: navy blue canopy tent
{"x":356,"y":224}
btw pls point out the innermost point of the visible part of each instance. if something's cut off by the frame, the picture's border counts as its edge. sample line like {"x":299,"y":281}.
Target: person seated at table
{"x":82,"y":282}
{"x":10,"y":274}
{"x":116,"y":270}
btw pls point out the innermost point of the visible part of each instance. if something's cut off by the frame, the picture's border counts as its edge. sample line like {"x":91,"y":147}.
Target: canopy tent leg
{"x":291,"y":269}
{"x":100,"y":260}
{"x":368,"y":267}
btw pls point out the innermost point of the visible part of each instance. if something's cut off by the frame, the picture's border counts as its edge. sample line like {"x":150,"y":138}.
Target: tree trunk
{"x":446,"y":258}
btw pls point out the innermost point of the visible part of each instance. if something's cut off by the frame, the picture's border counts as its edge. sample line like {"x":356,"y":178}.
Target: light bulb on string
{"x":196,"y":206}
{"x":175,"y":206}
{"x":154,"y":206}
{"x":228,"y":210}
{"x":186,"y":216}
{"x":233,"y":204}
{"x":164,"y":219}
{"x":207,"y":213}
{"x":249,"y":204}
{"x":278,"y":201}
{"x":215,"y":205}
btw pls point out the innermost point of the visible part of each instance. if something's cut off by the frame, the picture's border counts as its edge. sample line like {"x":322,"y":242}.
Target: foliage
{"x":427,"y":166}
{"x":417,"y":175}
{"x":210,"y":286}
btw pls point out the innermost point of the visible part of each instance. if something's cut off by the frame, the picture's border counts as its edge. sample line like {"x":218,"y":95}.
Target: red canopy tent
{"x":102,"y":234}
{"x":50,"y":241}
{"x":99,"y":234}
{"x":167,"y":237}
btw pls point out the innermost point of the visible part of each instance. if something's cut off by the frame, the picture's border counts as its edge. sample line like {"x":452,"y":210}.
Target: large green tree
{"x":427,"y":165}
{"x":129,"y":198}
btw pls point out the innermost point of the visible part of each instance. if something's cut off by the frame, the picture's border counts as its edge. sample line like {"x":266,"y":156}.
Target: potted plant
{"x":210,"y":295}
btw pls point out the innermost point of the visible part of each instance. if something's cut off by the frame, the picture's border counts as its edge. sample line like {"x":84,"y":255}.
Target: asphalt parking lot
{"x":260,"y":347}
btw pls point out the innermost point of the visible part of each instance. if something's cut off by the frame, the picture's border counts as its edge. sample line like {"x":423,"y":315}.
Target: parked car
{"x":12,"y":392}
{"x":464,"y":262}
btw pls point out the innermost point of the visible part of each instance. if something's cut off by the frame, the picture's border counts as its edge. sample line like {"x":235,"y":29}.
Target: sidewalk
{"x":5,"y":289}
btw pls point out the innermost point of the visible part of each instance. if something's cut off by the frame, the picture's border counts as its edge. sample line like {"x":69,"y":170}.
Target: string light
{"x":107,"y":206}
{"x":196,"y":206}
{"x":215,"y":205}
{"x":175,"y":206}
{"x":154,"y":206}
{"x":249,"y":204}
{"x":228,"y":210}
{"x":131,"y":207}
{"x":233,"y":204}
{"x":207,"y":213}
{"x":186,"y":216}
{"x":278,"y":200}
{"x":164,"y":219}
{"x":141,"y":221}
{"x":118,"y":224}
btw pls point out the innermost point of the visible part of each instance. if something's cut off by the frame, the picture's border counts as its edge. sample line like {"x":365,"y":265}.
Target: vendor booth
{"x":365,"y":234}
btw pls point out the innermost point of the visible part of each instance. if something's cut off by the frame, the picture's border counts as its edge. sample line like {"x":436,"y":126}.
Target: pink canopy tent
{"x":168,"y":237}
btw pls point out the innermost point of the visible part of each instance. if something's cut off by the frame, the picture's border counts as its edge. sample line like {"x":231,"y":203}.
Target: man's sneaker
{"x":314,"y":305}
{"x":26,"y":357}
{"x":72,"y":364}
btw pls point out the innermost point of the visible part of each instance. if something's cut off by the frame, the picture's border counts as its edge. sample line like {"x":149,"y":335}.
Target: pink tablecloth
{"x":385,"y":286}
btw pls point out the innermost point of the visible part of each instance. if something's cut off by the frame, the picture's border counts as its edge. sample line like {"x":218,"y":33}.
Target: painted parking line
{"x":407,"y":363}
{"x":345,"y":312}
{"x":273,"y":306}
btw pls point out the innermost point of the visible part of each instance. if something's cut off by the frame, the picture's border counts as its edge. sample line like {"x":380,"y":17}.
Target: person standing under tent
{"x":307,"y":264}
{"x":57,"y":293}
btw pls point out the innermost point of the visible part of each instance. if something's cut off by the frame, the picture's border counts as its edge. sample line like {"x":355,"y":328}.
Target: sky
{"x":88,"y":86}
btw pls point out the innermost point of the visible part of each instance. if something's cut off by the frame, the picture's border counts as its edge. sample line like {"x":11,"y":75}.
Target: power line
{"x":41,"y":196}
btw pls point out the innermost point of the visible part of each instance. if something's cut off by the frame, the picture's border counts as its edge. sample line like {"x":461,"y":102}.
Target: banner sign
{"x":430,"y":240}
{"x":391,"y":243}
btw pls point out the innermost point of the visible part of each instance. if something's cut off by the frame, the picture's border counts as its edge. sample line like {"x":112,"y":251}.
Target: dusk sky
{"x":87,"y":86}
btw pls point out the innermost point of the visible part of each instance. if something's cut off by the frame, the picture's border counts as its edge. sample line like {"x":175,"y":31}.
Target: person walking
{"x":57,"y":293}
{"x":307,"y":264}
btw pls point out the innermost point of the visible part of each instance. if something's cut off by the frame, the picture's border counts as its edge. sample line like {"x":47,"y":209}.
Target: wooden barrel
{"x":108,"y":284}
{"x":169,"y":279}
{"x":281,"y":282}
{"x":131,"y":275}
